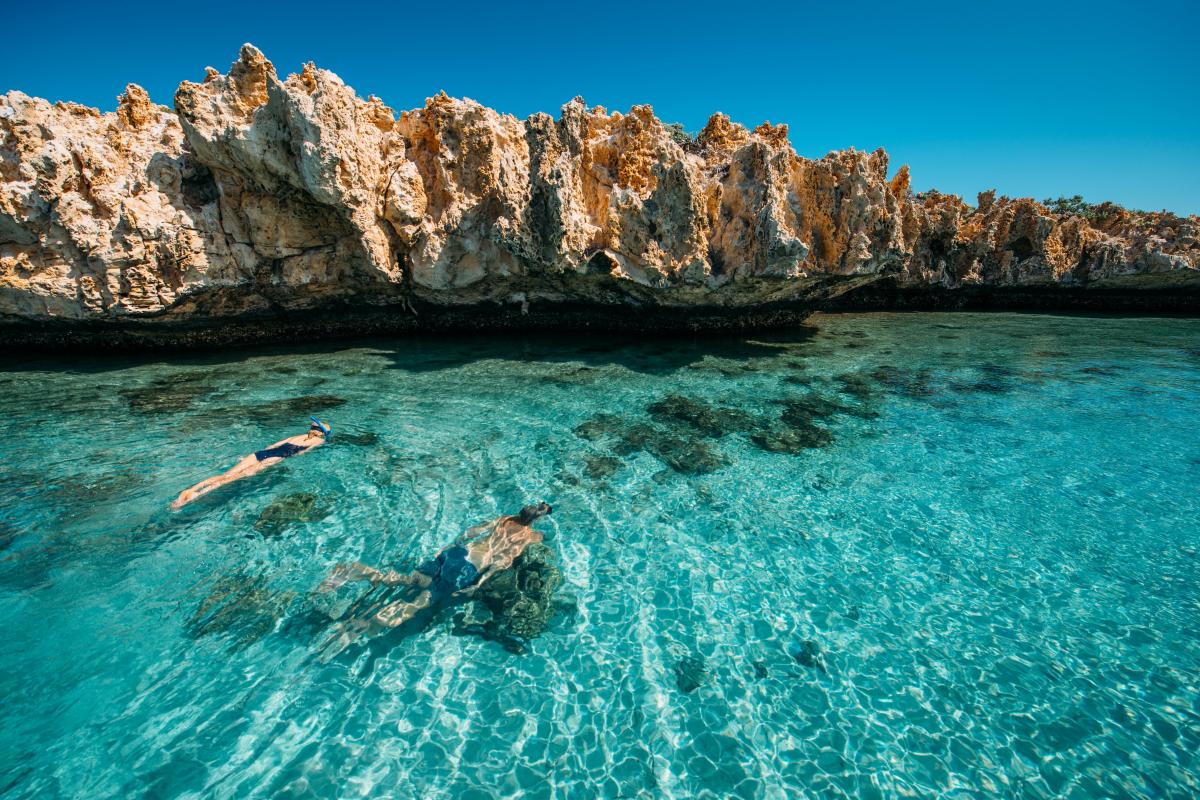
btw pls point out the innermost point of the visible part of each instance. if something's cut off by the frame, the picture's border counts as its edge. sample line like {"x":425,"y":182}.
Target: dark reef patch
{"x":928,"y":386}
{"x":708,"y":420}
{"x":520,"y":600}
{"x":599,"y":467}
{"x":808,"y":654}
{"x":687,"y":454}
{"x":681,"y":426}
{"x":794,"y":431}
{"x":242,"y":607}
{"x":811,"y":406}
{"x":72,"y":490}
{"x":290,"y":413}
{"x":282,"y":411}
{"x":916,"y":384}
{"x":861,"y":387}
{"x":361,"y":439}
{"x":292,"y":509}
{"x":600,"y":428}
{"x":994,"y":379}
{"x":1109,"y":371}
{"x":683,"y":452}
{"x":8,"y":535}
{"x":793,"y":441}
{"x":172,"y":394}
{"x":571,"y":378}
{"x":691,"y":672}
{"x":799,"y":426}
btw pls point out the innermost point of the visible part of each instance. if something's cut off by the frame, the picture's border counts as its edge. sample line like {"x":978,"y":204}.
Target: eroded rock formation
{"x":258,"y":197}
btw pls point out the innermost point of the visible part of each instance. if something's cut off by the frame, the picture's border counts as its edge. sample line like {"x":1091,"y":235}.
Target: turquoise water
{"x":893,"y":555}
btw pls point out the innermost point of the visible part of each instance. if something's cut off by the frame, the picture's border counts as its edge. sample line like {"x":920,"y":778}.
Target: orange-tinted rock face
{"x":287,"y":193}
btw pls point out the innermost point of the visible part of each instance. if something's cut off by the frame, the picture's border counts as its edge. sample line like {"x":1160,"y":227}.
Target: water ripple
{"x":895,"y":555}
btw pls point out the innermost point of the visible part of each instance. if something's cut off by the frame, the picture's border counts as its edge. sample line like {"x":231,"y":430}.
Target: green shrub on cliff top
{"x":681,"y":136}
{"x":1074,"y":206}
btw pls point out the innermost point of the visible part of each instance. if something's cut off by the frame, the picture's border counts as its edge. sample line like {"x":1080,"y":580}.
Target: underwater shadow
{"x":659,"y":356}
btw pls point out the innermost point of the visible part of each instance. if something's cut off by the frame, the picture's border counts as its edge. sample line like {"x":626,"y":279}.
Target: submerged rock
{"x":861,"y":387}
{"x":599,"y":467}
{"x":685,"y":453}
{"x":292,"y":509}
{"x":242,"y":607}
{"x":89,"y":489}
{"x":793,"y":440}
{"x":360,"y":439}
{"x":804,"y":409}
{"x":798,"y":428}
{"x":600,"y":427}
{"x":685,"y":423}
{"x":807,"y":653}
{"x":165,"y":395}
{"x":691,"y":672}
{"x":289,"y":409}
{"x":8,"y":534}
{"x":682,"y":451}
{"x":706,"y":419}
{"x":289,"y":413}
{"x":521,"y":598}
{"x":917,"y":384}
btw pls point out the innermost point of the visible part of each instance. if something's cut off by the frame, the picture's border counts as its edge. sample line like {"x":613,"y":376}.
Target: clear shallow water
{"x":992,"y":541}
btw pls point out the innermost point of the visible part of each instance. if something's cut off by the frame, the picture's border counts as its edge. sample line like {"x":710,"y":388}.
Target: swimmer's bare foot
{"x":336,"y":579}
{"x":184,"y":498}
{"x":331,"y":583}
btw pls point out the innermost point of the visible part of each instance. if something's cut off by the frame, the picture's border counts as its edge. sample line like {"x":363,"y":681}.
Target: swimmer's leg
{"x":342,"y":636}
{"x":357,"y":571}
{"x":396,"y":614}
{"x":250,"y":465}
{"x":354,"y":571}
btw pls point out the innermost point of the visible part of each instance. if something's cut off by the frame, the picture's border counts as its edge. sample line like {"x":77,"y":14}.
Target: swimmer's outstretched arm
{"x":470,"y":591}
{"x":477,"y":532}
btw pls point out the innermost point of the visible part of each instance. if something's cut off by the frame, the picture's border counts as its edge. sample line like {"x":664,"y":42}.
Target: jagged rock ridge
{"x":259,"y":196}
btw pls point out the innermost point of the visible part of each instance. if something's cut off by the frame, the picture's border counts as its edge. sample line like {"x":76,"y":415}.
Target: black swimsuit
{"x":285,"y":450}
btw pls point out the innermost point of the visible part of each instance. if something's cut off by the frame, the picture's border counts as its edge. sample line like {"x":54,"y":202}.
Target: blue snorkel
{"x":321,"y":426}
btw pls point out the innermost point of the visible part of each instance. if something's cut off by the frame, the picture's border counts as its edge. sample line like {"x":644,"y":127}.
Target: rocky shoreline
{"x":344,"y":322}
{"x":259,"y":209}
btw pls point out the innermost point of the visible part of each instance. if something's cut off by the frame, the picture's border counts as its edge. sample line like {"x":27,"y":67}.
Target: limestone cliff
{"x":258,"y":198}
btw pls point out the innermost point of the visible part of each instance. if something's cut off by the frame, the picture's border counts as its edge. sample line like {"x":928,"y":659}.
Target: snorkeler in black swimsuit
{"x":318,"y":433}
{"x":285,"y":450}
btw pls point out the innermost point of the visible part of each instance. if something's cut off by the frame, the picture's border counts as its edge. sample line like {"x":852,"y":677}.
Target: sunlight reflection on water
{"x":916,"y":553}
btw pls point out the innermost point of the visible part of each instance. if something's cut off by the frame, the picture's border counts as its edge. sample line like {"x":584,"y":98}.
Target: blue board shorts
{"x":450,"y":572}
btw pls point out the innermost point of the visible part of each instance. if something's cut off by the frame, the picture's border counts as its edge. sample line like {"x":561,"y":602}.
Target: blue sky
{"x":1034,"y":99}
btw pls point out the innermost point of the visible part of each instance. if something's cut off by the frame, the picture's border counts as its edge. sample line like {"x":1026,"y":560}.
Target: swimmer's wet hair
{"x":530,"y":513}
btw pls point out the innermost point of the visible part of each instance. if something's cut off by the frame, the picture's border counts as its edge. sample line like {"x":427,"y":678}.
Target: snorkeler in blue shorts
{"x":317,"y":434}
{"x":455,"y":573}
